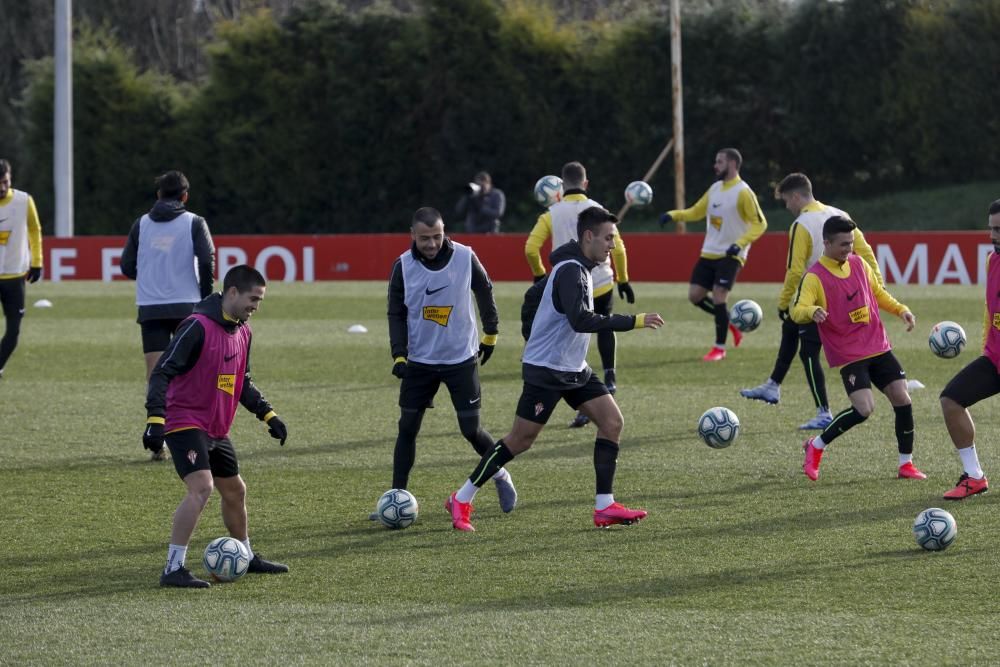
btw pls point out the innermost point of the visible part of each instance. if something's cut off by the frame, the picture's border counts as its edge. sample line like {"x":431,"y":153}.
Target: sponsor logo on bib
{"x":860,"y":315}
{"x":227,"y":383}
{"x":438,"y":314}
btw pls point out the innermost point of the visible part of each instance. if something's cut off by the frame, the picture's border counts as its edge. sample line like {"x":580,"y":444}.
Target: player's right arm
{"x":129,"y":263}
{"x":536,"y":239}
{"x":799,"y":250}
{"x":568,"y":294}
{"x":398,"y":334}
{"x":693,"y":214}
{"x":181,"y":355}
{"x":809,"y":299}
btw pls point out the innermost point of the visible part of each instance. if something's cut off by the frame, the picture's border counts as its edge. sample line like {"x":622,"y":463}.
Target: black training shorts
{"x":12,"y":296}
{"x":156,"y":334}
{"x":537,"y":401}
{"x":880,"y":370}
{"x":978,"y":380}
{"x":708,"y":273}
{"x":192,"y":449}
{"x":421,"y":383}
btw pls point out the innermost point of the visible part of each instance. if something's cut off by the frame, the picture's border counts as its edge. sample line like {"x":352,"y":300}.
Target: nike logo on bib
{"x":229,"y":357}
{"x":430,"y":291}
{"x":851,"y":296}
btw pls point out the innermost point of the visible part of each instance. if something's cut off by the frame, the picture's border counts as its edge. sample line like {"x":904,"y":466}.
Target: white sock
{"x":818,"y":442}
{"x":904,"y":459}
{"x":501,"y":475}
{"x":603,"y":501}
{"x":246,"y":543}
{"x":176,"y":555}
{"x":970,"y":461}
{"x":467,"y":492}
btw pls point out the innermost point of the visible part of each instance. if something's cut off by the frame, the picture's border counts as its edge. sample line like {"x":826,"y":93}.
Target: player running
{"x":555,"y":367}
{"x":805,"y":247}
{"x":841,"y":295}
{"x":733,"y":221}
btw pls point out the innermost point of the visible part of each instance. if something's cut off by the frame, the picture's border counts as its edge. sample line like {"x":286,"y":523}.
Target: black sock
{"x":841,"y":424}
{"x":494,"y":459}
{"x":406,"y":447}
{"x":707,"y":305}
{"x":721,"y":324}
{"x":605,"y":463}
{"x":904,"y":428}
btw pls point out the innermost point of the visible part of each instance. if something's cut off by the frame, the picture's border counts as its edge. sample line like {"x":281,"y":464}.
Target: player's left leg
{"x":809,"y":353}
{"x":858,"y":385}
{"x":607,"y":344}
{"x":888,"y":375}
{"x":12,"y":296}
{"x":416,"y":393}
{"x":770,"y":390}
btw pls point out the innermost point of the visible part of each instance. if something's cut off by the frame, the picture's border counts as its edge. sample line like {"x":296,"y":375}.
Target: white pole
{"x":62,"y":159}
{"x":678,"y":92}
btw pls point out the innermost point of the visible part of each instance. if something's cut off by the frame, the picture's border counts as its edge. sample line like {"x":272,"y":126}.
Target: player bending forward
{"x":841,"y":294}
{"x":555,"y":367}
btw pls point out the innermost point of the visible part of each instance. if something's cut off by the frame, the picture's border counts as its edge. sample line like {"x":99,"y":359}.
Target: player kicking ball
{"x":842,"y":296}
{"x":554,"y":367}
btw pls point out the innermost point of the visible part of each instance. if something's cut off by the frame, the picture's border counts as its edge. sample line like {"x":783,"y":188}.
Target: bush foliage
{"x":330,"y":121}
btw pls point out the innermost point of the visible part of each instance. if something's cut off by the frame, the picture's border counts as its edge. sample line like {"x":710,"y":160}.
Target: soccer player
{"x":842,"y":296}
{"x":170,"y":255}
{"x":554,"y":367}
{"x":733,"y":221}
{"x":559,"y":224}
{"x":192,"y":399}
{"x":433,"y":339}
{"x":20,"y":257}
{"x":978,"y":380}
{"x":805,"y":246}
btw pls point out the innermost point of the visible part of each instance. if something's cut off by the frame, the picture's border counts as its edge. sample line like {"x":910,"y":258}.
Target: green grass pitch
{"x":741,"y":561}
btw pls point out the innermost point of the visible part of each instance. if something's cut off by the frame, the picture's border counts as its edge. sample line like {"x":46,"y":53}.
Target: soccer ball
{"x":638,"y":193}
{"x":548,"y":190}
{"x":947,"y":339}
{"x":226,"y":559}
{"x":397,"y":508}
{"x":746,"y":315}
{"x":935,"y":529}
{"x":719,"y":427}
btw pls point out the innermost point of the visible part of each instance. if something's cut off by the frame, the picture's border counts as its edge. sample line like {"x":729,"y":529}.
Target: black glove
{"x":485,"y":352}
{"x":152,"y":437}
{"x":783,"y":314}
{"x":666,"y":219}
{"x":34,"y":274}
{"x":535,"y":279}
{"x":277,"y":429}
{"x":733,"y":250}
{"x":625,"y":292}
{"x":399,"y":368}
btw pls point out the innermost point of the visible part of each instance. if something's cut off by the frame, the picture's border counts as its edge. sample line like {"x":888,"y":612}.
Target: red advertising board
{"x":925,"y":258}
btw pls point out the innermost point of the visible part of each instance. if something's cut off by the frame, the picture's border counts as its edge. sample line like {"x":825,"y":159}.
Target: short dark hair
{"x":994,"y":207}
{"x":591,"y":218}
{"x":794,"y":182}
{"x":838,"y":224}
{"x":483,"y":177}
{"x":574,"y":173}
{"x":426,"y":216}
{"x":4,"y":167}
{"x":244,"y":278}
{"x":733,"y":155}
{"x":172,"y":184}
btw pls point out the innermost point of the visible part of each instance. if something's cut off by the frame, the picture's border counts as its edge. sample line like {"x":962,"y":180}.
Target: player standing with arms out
{"x":978,"y":380}
{"x":170,"y":255}
{"x":842,"y":296}
{"x":733,"y":221}
{"x":559,"y":224}
{"x":433,"y":339}
{"x":20,"y":257}
{"x":193,"y":393}
{"x":554,"y":367}
{"x":805,"y":247}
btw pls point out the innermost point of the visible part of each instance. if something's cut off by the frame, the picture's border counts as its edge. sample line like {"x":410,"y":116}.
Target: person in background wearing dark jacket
{"x":434,"y":339}
{"x":482,"y":206}
{"x":191,"y":401}
{"x":554,"y":366}
{"x":170,"y":256}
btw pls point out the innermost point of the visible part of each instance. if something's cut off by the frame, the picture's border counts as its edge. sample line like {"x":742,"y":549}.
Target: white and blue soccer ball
{"x":934,"y":529}
{"x":719,"y":427}
{"x":746,"y":315}
{"x":638,"y":193}
{"x":397,"y":508}
{"x":548,"y":190}
{"x":226,"y":559}
{"x":947,"y":339}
